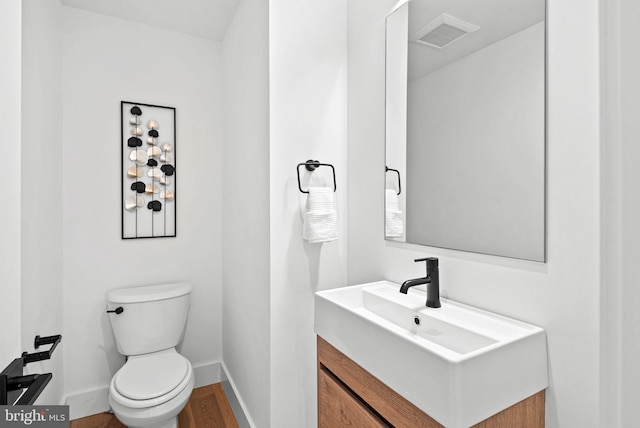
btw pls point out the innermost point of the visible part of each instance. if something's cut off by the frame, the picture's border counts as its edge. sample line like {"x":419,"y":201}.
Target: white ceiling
{"x":204,"y":18}
{"x":497,"y":20}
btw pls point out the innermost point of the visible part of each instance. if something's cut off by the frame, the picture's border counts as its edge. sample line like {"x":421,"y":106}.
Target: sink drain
{"x":416,"y":320}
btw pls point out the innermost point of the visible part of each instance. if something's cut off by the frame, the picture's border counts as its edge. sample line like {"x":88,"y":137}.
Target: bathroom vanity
{"x":384,"y":359}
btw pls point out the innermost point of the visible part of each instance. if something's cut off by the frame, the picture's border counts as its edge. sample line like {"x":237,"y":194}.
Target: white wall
{"x":106,"y":60}
{"x":285,"y":98}
{"x":630,"y":212}
{"x":475,"y":151}
{"x":10,"y":134}
{"x":307,"y":54}
{"x":245,"y":199}
{"x":562,"y":295}
{"x":620,"y":375}
{"x":613,"y":232}
{"x":630,"y":232}
{"x":42,"y":300}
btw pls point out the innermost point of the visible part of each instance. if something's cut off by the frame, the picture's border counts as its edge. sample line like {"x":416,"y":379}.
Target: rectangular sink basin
{"x":457,"y":363}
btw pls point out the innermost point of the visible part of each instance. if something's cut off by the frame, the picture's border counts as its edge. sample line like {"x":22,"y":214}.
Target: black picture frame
{"x":148,"y":174}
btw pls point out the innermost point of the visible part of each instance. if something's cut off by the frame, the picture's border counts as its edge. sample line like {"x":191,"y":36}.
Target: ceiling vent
{"x":443,"y":31}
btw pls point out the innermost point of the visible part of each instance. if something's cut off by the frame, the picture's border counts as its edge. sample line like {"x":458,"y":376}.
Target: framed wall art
{"x":148,"y":170}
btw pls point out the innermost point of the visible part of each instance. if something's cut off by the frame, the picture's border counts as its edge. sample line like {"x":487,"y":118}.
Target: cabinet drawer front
{"x":339,"y":408}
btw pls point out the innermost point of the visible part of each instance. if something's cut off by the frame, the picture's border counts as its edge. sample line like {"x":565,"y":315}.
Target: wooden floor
{"x":207,"y":408}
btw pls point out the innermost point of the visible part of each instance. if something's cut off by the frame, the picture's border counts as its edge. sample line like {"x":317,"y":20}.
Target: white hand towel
{"x":320,"y":217}
{"x":393,"y":222}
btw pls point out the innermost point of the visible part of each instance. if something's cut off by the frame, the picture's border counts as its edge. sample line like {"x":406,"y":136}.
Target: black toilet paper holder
{"x":13,"y":380}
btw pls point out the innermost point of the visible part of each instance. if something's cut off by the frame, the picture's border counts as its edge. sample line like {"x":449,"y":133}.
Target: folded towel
{"x":320,"y":217}
{"x":391,"y":201}
{"x":393,"y":222}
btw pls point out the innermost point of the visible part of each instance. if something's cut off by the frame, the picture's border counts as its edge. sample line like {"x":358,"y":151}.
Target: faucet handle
{"x":432,"y":263}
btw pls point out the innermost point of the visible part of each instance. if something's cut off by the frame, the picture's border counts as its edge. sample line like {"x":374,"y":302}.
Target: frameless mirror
{"x":465,"y":126}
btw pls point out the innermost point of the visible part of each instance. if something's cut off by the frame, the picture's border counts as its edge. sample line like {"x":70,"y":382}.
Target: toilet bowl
{"x":156,"y":382}
{"x":150,"y":390}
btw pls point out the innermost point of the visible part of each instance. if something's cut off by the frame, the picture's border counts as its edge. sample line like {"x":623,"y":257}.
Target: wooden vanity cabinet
{"x":348,"y":396}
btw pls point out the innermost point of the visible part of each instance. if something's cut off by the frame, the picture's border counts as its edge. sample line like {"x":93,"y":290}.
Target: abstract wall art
{"x":148,"y":170}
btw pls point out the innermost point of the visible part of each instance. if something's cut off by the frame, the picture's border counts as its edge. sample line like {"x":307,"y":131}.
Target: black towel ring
{"x":387,"y":169}
{"x":311,"y":166}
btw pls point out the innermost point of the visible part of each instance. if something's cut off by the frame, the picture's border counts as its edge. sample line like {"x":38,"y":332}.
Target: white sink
{"x":458,"y":364}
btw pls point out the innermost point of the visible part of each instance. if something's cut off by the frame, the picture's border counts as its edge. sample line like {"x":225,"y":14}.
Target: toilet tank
{"x":153,"y":317}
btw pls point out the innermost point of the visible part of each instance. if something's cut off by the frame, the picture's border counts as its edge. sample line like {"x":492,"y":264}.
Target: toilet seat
{"x":151,"y":379}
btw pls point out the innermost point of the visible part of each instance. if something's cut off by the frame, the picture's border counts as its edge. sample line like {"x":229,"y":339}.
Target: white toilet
{"x":156,"y":382}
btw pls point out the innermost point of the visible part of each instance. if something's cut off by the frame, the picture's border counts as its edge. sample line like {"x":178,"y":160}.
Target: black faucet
{"x":432,"y":280}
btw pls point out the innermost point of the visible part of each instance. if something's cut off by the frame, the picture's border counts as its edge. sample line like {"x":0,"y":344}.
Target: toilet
{"x":156,"y":382}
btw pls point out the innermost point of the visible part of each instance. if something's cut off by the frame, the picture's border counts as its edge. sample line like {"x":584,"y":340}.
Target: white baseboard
{"x":96,"y":401}
{"x":235,"y":400}
{"x":207,"y":374}
{"x":88,"y":403}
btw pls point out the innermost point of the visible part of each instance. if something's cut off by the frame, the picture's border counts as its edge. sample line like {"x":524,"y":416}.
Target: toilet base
{"x":171,"y":423}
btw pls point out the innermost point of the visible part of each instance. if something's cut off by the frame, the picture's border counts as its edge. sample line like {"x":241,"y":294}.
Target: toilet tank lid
{"x":148,"y":293}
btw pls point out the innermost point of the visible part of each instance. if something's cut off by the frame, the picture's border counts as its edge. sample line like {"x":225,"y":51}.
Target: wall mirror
{"x":466,"y":126}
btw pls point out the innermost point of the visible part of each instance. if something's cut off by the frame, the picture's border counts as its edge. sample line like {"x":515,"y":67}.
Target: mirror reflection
{"x":465,"y":126}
